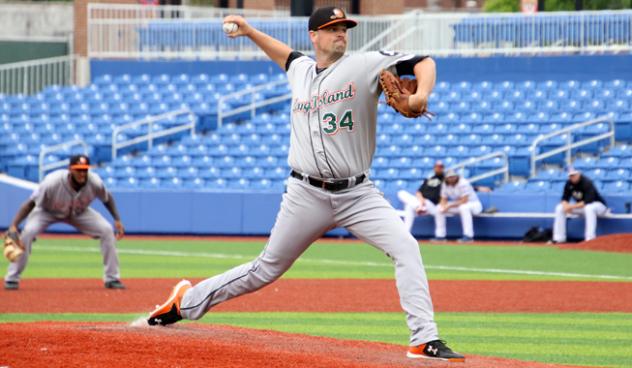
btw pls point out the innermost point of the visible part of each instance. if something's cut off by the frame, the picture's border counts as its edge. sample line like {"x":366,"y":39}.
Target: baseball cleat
{"x":169,"y":312}
{"x":466,"y":239}
{"x":437,"y":350}
{"x":114,"y":284}
{"x":438,"y":240}
{"x":11,"y":285}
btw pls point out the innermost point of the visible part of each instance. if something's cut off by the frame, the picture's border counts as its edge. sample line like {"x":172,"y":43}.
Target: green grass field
{"x":591,"y":339}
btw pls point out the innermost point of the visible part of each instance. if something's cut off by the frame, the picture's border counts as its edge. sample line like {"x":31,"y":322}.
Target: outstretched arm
{"x":23,"y":212}
{"x":276,"y":50}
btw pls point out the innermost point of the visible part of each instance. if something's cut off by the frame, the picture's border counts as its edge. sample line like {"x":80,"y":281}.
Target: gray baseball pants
{"x":90,"y":222}
{"x":306,"y":214}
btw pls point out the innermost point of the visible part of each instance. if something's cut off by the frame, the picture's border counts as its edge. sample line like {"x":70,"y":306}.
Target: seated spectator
{"x":587,"y":202}
{"x":457,"y":197}
{"x":425,"y":201}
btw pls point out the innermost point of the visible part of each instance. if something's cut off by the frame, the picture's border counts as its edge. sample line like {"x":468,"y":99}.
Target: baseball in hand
{"x":230,"y":27}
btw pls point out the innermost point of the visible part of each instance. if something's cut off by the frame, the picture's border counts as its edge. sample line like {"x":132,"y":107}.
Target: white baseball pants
{"x":90,"y":222}
{"x":411,"y":203}
{"x":306,"y":214}
{"x":466,"y":211}
{"x":590,"y":212}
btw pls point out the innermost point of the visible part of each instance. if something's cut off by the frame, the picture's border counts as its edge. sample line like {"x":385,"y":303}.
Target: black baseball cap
{"x":327,"y":16}
{"x":79,"y":162}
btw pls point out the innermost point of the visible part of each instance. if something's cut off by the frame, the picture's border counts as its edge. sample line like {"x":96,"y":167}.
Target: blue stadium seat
{"x":537,"y":186}
{"x":617,"y":187}
{"x":511,"y":187}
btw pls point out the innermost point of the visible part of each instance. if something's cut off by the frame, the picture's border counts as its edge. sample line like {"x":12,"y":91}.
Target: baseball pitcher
{"x":65,"y":196}
{"x":332,"y":142}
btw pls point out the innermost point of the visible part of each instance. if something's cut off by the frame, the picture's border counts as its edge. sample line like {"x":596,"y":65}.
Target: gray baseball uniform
{"x":56,"y":201}
{"x":333,"y":137}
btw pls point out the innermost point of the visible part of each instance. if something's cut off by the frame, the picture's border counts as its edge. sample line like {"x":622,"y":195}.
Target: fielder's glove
{"x":13,"y":248}
{"x":397,"y":90}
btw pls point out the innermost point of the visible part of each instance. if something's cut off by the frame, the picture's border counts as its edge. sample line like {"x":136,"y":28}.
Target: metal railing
{"x":503,"y":170}
{"x":253,"y":105}
{"x":46,"y":167}
{"x":151,"y":132}
{"x":185,"y":32}
{"x":568,"y":147}
{"x":29,"y":77}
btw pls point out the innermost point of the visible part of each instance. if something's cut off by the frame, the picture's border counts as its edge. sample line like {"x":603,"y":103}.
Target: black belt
{"x":332,"y":185}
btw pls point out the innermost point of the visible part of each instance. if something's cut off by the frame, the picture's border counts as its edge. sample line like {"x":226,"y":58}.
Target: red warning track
{"x":89,"y":296}
{"x":118,"y":345}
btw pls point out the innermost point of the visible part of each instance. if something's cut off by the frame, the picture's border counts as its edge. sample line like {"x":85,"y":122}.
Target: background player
{"x":457,"y":197}
{"x":332,"y":142}
{"x":588,"y":203}
{"x":65,"y":196}
{"x":426,"y":198}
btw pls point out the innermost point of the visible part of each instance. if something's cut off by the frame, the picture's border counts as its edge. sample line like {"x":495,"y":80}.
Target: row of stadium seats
{"x":256,"y":149}
{"x":507,"y":31}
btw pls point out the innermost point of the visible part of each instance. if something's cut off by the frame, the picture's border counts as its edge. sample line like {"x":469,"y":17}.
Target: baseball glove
{"x":13,"y":247}
{"x":397,"y":90}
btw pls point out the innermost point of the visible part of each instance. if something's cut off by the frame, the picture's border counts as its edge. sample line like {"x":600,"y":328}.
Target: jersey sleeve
{"x":566,"y":196}
{"x":590,"y":192}
{"x":376,"y":61}
{"x":297,"y":68}
{"x":443,"y":191}
{"x":422,"y":186}
{"x":467,"y":189}
{"x":100,"y":190}
{"x":39,"y":194}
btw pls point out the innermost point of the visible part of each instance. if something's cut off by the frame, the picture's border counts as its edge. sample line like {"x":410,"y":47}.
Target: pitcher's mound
{"x":609,"y":243}
{"x":193,"y":345}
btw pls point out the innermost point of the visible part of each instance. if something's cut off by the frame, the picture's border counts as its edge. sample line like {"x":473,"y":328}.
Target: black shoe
{"x":436,"y":349}
{"x":11,"y":285}
{"x":169,"y":311}
{"x":115,"y":284}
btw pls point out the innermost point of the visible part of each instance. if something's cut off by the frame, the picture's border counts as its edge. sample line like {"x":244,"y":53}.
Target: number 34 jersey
{"x":333,"y":121}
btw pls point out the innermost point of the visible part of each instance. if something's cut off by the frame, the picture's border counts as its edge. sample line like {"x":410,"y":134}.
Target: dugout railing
{"x":155,"y":129}
{"x":572,"y":137}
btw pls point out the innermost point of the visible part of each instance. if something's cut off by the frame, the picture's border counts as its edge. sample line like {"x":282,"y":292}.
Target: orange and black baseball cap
{"x":327,"y":16}
{"x":79,"y":162}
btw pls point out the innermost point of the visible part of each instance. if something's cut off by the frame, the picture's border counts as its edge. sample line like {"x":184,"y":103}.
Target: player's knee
{"x":589,"y":210}
{"x":559,"y":208}
{"x":106,"y":233}
{"x":28,"y":234}
{"x":464,"y":208}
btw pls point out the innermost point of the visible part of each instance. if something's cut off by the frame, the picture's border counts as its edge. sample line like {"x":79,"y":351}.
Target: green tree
{"x":501,"y":6}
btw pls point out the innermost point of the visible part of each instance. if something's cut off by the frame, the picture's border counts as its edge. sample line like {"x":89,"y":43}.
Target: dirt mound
{"x":338,"y":295}
{"x":621,"y":243}
{"x":190,"y":345}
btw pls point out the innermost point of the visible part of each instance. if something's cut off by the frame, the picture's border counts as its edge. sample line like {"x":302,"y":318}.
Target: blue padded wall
{"x":220,"y":213}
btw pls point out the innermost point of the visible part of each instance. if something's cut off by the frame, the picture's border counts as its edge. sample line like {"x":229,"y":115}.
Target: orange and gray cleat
{"x":437,"y":350}
{"x":169,"y":312}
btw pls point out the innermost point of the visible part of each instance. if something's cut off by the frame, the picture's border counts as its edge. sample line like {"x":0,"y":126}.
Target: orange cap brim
{"x":350,"y":23}
{"x":80,"y":167}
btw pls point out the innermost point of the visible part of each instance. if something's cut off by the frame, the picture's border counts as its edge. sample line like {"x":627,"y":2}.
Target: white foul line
{"x":171,"y":253}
